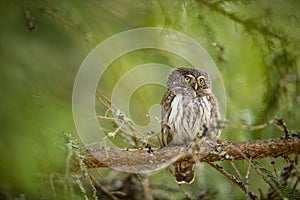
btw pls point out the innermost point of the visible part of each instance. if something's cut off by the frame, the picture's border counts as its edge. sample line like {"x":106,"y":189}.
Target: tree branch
{"x":143,"y":158}
{"x":265,"y":30}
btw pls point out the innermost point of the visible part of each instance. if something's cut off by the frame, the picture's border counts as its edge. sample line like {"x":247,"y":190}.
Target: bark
{"x":151,"y":158}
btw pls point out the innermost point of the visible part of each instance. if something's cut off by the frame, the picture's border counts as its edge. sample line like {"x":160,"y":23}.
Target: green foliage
{"x":275,"y":185}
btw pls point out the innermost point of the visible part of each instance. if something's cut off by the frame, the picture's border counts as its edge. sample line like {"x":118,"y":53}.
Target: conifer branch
{"x":140,"y":158}
{"x":246,"y":23}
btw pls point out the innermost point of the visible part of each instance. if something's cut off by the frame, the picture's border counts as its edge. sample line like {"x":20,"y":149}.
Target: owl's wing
{"x":215,"y":108}
{"x":215,"y":116}
{"x":165,"y":113}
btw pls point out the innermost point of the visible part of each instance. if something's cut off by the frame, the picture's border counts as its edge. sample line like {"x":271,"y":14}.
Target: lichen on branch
{"x":141,"y":158}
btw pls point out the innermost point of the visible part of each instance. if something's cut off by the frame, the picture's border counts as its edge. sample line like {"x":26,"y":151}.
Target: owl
{"x":189,"y":110}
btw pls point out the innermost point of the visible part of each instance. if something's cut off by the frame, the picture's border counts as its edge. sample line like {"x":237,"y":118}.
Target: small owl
{"x":189,"y":110}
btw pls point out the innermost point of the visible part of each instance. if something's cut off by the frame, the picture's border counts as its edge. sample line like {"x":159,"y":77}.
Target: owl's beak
{"x":196,"y":86}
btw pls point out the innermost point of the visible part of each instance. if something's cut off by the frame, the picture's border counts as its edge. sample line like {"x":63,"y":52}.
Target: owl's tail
{"x":184,"y":170}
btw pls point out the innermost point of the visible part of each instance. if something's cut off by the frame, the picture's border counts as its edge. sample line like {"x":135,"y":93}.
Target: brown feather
{"x":188,"y":112}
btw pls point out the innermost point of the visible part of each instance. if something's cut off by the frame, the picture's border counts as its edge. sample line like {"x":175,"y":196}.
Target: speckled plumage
{"x":188,"y":108}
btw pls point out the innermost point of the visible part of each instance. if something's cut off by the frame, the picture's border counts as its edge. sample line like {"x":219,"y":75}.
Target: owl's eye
{"x":201,"y":80}
{"x":187,"y":79}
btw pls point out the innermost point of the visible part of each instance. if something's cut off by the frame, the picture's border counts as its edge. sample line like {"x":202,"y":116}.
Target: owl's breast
{"x":188,"y":117}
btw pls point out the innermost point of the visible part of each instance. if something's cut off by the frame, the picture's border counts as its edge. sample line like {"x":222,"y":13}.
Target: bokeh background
{"x":255,"y":45}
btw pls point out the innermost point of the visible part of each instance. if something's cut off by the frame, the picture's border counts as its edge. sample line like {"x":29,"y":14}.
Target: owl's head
{"x":189,"y":79}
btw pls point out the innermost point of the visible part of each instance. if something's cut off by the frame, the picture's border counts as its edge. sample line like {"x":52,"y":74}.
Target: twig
{"x":103,"y":189}
{"x":279,"y":123}
{"x":247,"y":176}
{"x":282,"y":125}
{"x":249,"y":127}
{"x":232,"y":178}
{"x":103,"y":103}
{"x":259,"y":169}
{"x":274,"y":168}
{"x":81,"y":187}
{"x":236,"y":170}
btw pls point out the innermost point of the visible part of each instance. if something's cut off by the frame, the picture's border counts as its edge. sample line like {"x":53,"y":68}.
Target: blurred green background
{"x":255,"y":45}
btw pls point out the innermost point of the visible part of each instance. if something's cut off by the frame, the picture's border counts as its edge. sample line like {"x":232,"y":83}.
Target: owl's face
{"x":190,"y":80}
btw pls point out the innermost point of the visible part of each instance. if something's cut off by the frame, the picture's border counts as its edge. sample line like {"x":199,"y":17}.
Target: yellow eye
{"x":201,"y":80}
{"x":187,"y":79}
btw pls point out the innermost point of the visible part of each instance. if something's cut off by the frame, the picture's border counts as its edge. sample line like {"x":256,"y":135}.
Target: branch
{"x":143,"y":158}
{"x":265,"y":30}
